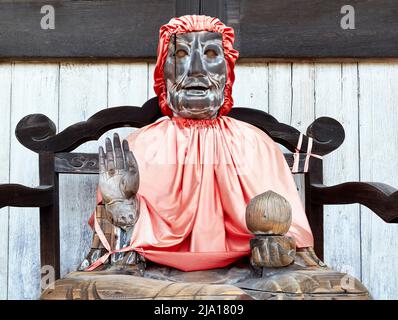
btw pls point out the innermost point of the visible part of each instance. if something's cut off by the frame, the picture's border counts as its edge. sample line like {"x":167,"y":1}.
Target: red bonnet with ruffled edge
{"x":191,"y":24}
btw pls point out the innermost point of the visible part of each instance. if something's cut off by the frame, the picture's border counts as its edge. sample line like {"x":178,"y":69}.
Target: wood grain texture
{"x":311,"y":28}
{"x":336,"y":96}
{"x":17,"y":195}
{"x":290,"y":96}
{"x":378,"y":120}
{"x":272,"y":251}
{"x":83,"y":92}
{"x":127,"y":86}
{"x":187,"y":7}
{"x":268,"y":214}
{"x":280,"y":91}
{"x":306,"y":278}
{"x":115,"y":28}
{"x":251,"y":86}
{"x":302,"y":112}
{"x":49,"y":216}
{"x":87,"y":163}
{"x":303,"y":98}
{"x":5,"y":133}
{"x":381,"y":198}
{"x":151,"y":70}
{"x":97,"y":286}
{"x":76,"y":162}
{"x":34,"y":88}
{"x":215,"y":8}
{"x":272,"y":29}
{"x":35,"y":131}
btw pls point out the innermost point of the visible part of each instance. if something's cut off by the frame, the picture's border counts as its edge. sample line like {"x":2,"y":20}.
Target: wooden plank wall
{"x":5,"y":105}
{"x":363,"y":97}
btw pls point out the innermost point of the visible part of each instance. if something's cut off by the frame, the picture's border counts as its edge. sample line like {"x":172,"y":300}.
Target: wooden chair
{"x":56,"y":156}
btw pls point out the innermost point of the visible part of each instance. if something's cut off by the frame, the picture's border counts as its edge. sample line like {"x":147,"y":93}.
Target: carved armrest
{"x":16,"y":195}
{"x":378,"y":197}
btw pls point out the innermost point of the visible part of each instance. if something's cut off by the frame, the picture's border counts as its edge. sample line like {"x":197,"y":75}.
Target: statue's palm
{"x":118,"y":169}
{"x":118,"y":186}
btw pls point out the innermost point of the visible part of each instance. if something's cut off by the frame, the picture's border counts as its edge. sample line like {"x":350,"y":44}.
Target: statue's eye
{"x":210,"y":53}
{"x":181,"y":53}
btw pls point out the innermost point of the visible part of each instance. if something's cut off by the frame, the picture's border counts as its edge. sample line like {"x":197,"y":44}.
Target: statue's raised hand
{"x":118,"y":182}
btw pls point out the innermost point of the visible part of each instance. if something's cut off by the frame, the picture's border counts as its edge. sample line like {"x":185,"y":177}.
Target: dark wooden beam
{"x":314,"y":210}
{"x":118,"y":29}
{"x":83,"y":29}
{"x":184,"y":7}
{"x":49,"y":216}
{"x":214,"y":8}
{"x":37,"y":131}
{"x":16,"y":195}
{"x":87,"y":163}
{"x":327,"y":133}
{"x":312,"y":29}
{"x":379,"y":197}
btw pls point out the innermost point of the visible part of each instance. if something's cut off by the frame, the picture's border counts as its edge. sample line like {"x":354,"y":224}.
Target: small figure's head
{"x":194,"y":71}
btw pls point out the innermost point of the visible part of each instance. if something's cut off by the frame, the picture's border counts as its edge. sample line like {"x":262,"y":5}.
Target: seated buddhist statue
{"x":184,"y":197}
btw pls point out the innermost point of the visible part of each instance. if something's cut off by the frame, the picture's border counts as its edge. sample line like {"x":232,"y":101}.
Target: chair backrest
{"x":56,"y":156}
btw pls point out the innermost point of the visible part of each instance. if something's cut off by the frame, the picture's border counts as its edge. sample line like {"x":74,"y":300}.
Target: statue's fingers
{"x":131,"y":162}
{"x":110,"y":162}
{"x":274,"y":252}
{"x":126,"y":147}
{"x":118,"y":151}
{"x":126,"y":151}
{"x":101,"y":160}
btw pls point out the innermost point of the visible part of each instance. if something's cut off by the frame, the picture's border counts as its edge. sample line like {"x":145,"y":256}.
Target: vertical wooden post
{"x":315,"y":211}
{"x":49,"y":216}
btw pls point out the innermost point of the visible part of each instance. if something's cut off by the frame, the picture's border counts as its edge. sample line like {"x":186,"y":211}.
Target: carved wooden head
{"x":194,"y":70}
{"x":195,"y":73}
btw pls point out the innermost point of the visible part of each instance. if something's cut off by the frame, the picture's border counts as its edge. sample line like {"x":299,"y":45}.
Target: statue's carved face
{"x":195,"y":73}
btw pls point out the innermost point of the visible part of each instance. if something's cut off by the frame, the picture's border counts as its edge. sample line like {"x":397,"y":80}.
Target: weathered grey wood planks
{"x":5,"y":131}
{"x":294,"y":93}
{"x":336,"y":96}
{"x":378,"y":119}
{"x":83,"y":92}
{"x":34,"y":90}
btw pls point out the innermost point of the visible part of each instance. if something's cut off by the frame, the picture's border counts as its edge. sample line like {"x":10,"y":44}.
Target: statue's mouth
{"x":196,"y":89}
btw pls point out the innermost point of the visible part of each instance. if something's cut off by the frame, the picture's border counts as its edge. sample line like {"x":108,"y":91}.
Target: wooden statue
{"x":197,"y":157}
{"x":141,"y":235}
{"x":272,"y":255}
{"x":268,"y":276}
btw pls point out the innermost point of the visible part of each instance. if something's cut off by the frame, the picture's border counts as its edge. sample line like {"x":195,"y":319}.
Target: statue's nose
{"x":197,"y":67}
